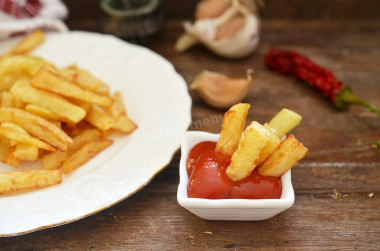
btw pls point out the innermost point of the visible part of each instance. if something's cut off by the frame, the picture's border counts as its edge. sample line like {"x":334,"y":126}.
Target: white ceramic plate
{"x":157,"y":100}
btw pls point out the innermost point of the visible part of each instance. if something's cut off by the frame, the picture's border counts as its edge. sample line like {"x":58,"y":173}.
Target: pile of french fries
{"x":62,"y":116}
{"x":259,"y":146}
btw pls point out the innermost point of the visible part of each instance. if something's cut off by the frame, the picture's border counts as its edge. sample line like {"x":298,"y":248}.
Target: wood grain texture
{"x":333,"y":209}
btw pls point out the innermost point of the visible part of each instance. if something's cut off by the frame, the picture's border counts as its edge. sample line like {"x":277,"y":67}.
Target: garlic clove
{"x":211,"y":8}
{"x":229,"y":29}
{"x":185,"y":42}
{"x":234,"y":34}
{"x":220,"y":91}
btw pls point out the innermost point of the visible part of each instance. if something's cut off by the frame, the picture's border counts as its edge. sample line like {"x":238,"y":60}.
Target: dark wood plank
{"x":337,"y":187}
{"x":152,"y":219}
{"x":273,"y":9}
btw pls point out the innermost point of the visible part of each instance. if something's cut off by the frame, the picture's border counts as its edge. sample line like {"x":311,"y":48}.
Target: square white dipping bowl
{"x":228,"y":209}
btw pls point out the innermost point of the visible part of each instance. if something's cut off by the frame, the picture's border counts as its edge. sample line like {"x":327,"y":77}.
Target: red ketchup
{"x":207,"y":171}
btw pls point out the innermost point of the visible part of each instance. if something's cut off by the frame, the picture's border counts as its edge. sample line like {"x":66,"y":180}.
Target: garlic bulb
{"x":233,"y":34}
{"x":220,"y":91}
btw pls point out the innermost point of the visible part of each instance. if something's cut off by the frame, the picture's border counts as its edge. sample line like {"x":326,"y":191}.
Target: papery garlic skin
{"x":241,"y":44}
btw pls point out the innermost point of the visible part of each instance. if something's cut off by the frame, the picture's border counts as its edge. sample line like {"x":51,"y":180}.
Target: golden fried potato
{"x":54,"y":160}
{"x":273,"y":143}
{"x":7,"y":81}
{"x":6,"y":99}
{"x":41,"y":105}
{"x":87,"y":81}
{"x":42,"y":112}
{"x":84,"y":105}
{"x":69,"y":73}
{"x":83,"y":138}
{"x":37,"y":127}
{"x":25,"y":151}
{"x":117,"y":111}
{"x":47,"y":80}
{"x":29,"y":43}
{"x":28,"y":179}
{"x":247,"y":155}
{"x":84,"y":154}
{"x":18,"y":134}
{"x":5,"y":145}
{"x":21,"y":65}
{"x":285,"y":121}
{"x":124,"y":124}
{"x":49,"y":101}
{"x":284,"y":157}
{"x":98,"y":118}
{"x":117,"y":108}
{"x":232,"y":128}
{"x":10,"y":159}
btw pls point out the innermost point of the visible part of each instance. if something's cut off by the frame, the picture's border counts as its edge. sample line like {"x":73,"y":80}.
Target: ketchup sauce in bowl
{"x":206,"y":191}
{"x":206,"y":169}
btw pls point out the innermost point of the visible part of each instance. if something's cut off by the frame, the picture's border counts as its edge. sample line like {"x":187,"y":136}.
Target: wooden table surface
{"x":334,"y":207}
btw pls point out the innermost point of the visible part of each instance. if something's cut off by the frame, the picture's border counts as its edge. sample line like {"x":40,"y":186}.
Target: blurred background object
{"x":229,"y":28}
{"x":274,"y":9}
{"x":17,"y":16}
{"x":131,"y":19}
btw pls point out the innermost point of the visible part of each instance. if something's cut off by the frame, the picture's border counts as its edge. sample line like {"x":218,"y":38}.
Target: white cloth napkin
{"x":17,"y":16}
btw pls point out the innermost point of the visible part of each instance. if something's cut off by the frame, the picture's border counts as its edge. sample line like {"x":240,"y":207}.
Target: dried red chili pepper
{"x":293,"y":63}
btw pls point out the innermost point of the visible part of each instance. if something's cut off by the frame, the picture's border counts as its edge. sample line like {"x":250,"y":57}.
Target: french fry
{"x":83,"y":138}
{"x":117,"y":111}
{"x":285,"y":121}
{"x":273,"y":143}
{"x":37,"y":127}
{"x":117,"y":108}
{"x":106,"y":134}
{"x":26,"y":152}
{"x":69,"y":74}
{"x":232,"y":128}
{"x":42,"y":112}
{"x":56,"y":123}
{"x":21,"y":65}
{"x":6,"y":99}
{"x":284,"y":157}
{"x":124,"y":124}
{"x":76,"y":129}
{"x":247,"y":155}
{"x":28,"y":179}
{"x":49,"y":101}
{"x":84,"y":105}
{"x":87,"y":81}
{"x":84,"y":154}
{"x":18,"y":103}
{"x":54,"y":160}
{"x":11,"y":159}
{"x":98,"y":118}
{"x":47,"y":80}
{"x":41,"y":105}
{"x":16,"y":133}
{"x":7,"y":81}
{"x":5,"y":145}
{"x":29,"y":43}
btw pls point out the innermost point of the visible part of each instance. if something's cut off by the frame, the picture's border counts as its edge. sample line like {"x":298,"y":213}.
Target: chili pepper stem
{"x":378,"y":143}
{"x":345,"y":97}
